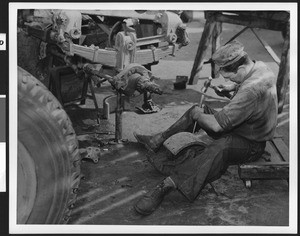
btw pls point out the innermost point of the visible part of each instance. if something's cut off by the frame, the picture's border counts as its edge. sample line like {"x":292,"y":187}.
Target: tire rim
{"x":27,"y":184}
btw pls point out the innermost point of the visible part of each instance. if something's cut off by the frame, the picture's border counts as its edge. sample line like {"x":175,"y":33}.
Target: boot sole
{"x":145,"y":213}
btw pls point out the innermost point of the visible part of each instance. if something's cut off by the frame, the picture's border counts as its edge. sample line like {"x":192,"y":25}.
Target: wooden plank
{"x":274,"y":155}
{"x":281,"y":148}
{"x":120,"y":13}
{"x":266,"y":171}
{"x":250,"y":21}
{"x":267,"y":47}
{"x":276,"y":168}
{"x":284,"y":71}
{"x":264,"y":164}
{"x":271,"y":15}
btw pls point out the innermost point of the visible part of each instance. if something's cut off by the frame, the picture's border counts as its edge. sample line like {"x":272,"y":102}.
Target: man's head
{"x":233,"y":62}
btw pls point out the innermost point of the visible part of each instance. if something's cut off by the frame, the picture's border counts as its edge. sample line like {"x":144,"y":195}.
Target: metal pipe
{"x":90,"y":82}
{"x":118,"y":120}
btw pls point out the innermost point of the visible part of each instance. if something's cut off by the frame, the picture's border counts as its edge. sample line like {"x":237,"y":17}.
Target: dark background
{"x":3,"y":54}
{"x":3,"y":91}
{"x":2,"y":120}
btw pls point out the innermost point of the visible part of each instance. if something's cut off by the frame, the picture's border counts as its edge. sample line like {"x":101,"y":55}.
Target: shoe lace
{"x":161,"y":188}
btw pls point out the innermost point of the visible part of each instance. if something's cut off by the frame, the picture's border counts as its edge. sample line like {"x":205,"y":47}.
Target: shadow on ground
{"x":111,"y":187}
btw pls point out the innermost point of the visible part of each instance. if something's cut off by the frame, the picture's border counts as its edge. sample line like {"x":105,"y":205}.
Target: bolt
{"x":172,"y":38}
{"x":75,"y":190}
{"x":158,"y":15}
{"x":50,"y":98}
{"x":130,"y":45}
{"x":25,"y":80}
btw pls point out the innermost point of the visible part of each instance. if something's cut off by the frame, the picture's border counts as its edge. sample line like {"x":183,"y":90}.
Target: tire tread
{"x":39,"y":93}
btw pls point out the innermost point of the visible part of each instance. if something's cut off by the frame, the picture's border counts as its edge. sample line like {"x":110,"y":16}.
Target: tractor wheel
{"x":48,"y":173}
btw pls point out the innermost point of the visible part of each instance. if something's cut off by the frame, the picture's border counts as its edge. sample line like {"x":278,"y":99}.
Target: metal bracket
{"x":92,"y":153}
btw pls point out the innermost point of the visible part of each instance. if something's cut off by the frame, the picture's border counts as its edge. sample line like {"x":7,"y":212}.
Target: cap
{"x":228,"y":54}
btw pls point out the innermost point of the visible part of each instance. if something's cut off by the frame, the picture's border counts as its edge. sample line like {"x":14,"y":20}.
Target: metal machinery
{"x":102,"y":43}
{"x":108,"y":38}
{"x":96,"y":45}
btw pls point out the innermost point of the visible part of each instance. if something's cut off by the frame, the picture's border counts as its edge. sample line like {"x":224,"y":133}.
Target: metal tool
{"x":92,"y":153}
{"x":206,"y":85}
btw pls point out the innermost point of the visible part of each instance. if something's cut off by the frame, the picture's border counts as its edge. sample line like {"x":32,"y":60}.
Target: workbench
{"x":274,"y":164}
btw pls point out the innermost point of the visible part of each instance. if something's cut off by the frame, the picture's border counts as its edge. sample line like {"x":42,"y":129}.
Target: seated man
{"x":240,"y":130}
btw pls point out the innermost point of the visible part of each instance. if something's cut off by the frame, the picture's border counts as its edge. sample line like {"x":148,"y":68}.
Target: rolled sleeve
{"x":223,"y":120}
{"x":240,"y":109}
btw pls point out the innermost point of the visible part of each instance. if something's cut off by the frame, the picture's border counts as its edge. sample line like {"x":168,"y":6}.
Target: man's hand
{"x":227,"y":87}
{"x":223,"y":90}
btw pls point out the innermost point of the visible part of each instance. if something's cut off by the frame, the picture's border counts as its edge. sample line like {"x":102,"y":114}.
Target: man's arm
{"x":224,"y":90}
{"x":208,"y":122}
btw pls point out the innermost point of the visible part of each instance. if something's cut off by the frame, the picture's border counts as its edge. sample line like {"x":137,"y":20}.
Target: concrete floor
{"x":112,"y":186}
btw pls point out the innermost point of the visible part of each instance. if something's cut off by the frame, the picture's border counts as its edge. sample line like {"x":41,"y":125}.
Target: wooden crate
{"x":274,"y":164}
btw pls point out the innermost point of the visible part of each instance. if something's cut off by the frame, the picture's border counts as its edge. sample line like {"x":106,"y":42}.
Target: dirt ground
{"x":110,"y":187}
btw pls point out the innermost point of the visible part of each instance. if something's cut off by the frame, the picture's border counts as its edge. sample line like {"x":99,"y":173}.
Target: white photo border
{"x":14,"y":228}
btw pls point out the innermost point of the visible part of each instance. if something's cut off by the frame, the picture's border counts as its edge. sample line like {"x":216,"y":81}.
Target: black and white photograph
{"x":152,"y":118}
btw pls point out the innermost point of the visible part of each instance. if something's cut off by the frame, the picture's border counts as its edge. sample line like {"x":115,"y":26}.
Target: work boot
{"x":151,"y":142}
{"x":152,"y":199}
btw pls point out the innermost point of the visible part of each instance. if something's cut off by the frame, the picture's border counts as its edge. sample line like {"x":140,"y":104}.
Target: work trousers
{"x":195,"y":166}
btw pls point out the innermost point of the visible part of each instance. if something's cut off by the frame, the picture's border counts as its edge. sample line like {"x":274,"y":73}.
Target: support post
{"x":216,"y":43}
{"x":202,"y":48}
{"x":267,"y":47}
{"x":91,"y":85}
{"x":118,"y":120}
{"x":284,"y":71}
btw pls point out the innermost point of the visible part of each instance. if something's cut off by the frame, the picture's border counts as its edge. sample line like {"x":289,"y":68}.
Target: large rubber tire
{"x":28,"y":52}
{"x":48,"y":156}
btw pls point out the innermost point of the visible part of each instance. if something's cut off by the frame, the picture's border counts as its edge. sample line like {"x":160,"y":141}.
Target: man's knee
{"x":195,"y":111}
{"x":221,"y":142}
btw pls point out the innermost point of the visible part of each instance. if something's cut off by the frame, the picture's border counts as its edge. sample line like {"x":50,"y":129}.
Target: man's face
{"x":234,"y":76}
{"x":227,"y":75}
